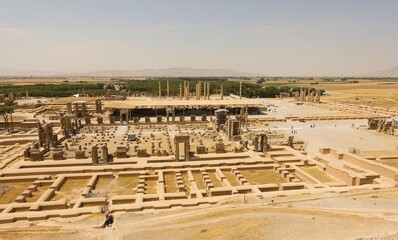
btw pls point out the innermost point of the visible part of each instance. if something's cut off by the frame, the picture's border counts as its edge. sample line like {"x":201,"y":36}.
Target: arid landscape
{"x":211,"y":119}
{"x":219,"y":167}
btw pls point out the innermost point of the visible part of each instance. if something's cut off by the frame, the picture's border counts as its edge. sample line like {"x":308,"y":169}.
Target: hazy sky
{"x":296,"y":37}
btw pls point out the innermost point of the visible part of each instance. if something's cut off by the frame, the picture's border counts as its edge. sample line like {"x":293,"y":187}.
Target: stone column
{"x":200,"y":89}
{"x":159,"y":118}
{"x":83,"y":110}
{"x":180,"y":92}
{"x":160,"y":90}
{"x":255,"y":143}
{"x":290,"y":141}
{"x":188,"y":93}
{"x":177,"y":150}
{"x":186,"y":146}
{"x":168,"y":89}
{"x":204,"y":90}
{"x":246,"y":116}
{"x":26,"y":94}
{"x":222,"y":91}
{"x":185,"y":90}
{"x":240,"y":90}
{"x":105,"y":153}
{"x":196,"y":91}
{"x":208,"y":91}
{"x":94,"y":154}
{"x":76,"y":110}
{"x":98,"y":106}
{"x":264,"y":143}
{"x":69,"y":108}
{"x":307,"y":95}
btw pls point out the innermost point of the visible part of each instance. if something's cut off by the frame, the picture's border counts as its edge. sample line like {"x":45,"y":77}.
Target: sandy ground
{"x":354,"y":215}
{"x":283,"y":108}
{"x":339,"y":135}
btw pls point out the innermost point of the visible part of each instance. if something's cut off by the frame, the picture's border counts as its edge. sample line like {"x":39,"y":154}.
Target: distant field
{"x":380,"y":92}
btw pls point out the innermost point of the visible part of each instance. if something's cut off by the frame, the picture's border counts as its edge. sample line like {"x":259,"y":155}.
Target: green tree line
{"x":150,"y":87}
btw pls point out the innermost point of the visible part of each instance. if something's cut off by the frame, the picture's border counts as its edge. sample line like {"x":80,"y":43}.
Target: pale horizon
{"x":274,"y":38}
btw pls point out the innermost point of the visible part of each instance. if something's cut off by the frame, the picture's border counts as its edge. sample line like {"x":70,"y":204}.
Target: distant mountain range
{"x":393,"y":72}
{"x":167,"y":72}
{"x":13,"y":72}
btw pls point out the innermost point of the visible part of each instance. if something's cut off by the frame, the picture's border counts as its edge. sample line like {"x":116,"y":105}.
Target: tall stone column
{"x":208,"y":91}
{"x":94,"y":154}
{"x":246,"y":116}
{"x":177,"y":150}
{"x":173,"y":116}
{"x":185,"y":89}
{"x":240,"y":90}
{"x":196,"y":91}
{"x":204,"y":90}
{"x":83,"y":110}
{"x":264,"y":143}
{"x":167,"y":116}
{"x":76,"y":110}
{"x":160,"y":90}
{"x":255,"y":143}
{"x":186,"y":146}
{"x":168,"y":89}
{"x":69,"y":108}
{"x":200,"y":90}
{"x":188,"y":93}
{"x":98,"y":106}
{"x":105,"y":153}
{"x":222,"y":91}
{"x":180,"y":91}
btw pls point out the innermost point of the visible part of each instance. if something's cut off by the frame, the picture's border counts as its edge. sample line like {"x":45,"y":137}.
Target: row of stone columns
{"x":80,"y":109}
{"x":95,"y":157}
{"x":12,"y":96}
{"x":185,"y":92}
{"x":305,"y":96}
{"x":167,"y":89}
